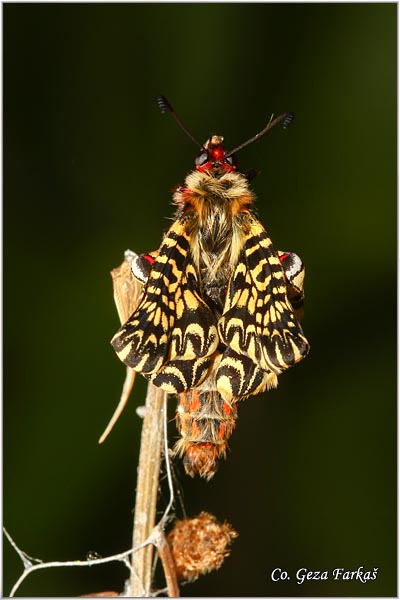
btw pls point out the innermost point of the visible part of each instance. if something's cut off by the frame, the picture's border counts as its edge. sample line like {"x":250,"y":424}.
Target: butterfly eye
{"x":201,"y":159}
{"x":231,"y":160}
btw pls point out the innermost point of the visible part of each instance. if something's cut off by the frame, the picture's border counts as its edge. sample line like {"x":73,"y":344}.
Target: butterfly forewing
{"x":258,"y":321}
{"x":172,"y":334}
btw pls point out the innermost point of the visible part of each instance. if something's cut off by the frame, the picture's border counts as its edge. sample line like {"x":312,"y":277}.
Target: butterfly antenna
{"x":287,"y":119}
{"x":165,"y":106}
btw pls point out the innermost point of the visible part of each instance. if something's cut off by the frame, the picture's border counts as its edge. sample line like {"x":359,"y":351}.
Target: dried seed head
{"x":200,"y":545}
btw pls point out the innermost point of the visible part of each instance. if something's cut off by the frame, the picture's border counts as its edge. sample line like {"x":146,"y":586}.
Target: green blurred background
{"x":89,"y":165}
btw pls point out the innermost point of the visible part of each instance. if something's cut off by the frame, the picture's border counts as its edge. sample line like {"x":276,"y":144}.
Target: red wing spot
{"x":283,"y":256}
{"x":150,"y":259}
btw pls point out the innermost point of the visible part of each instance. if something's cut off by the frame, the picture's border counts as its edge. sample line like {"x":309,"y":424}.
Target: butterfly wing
{"x":262,"y":334}
{"x":173,"y":333}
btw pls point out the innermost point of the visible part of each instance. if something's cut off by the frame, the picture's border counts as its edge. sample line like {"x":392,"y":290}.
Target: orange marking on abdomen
{"x":221,"y":431}
{"x":195,"y":430}
{"x":195,"y":403}
{"x":227,"y":408}
{"x":205,"y":423}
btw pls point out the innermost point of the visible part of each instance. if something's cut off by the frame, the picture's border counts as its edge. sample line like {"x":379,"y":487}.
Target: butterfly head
{"x":213,"y":159}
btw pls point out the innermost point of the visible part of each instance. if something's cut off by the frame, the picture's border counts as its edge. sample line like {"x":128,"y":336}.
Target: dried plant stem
{"x":168,"y":564}
{"x":147,"y":490}
{"x":127,"y":293}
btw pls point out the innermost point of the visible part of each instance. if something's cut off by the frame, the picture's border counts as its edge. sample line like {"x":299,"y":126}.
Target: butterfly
{"x":218,"y":318}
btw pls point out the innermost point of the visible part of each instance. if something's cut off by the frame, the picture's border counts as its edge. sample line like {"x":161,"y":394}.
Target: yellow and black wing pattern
{"x":173,"y":334}
{"x":259,"y":328}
